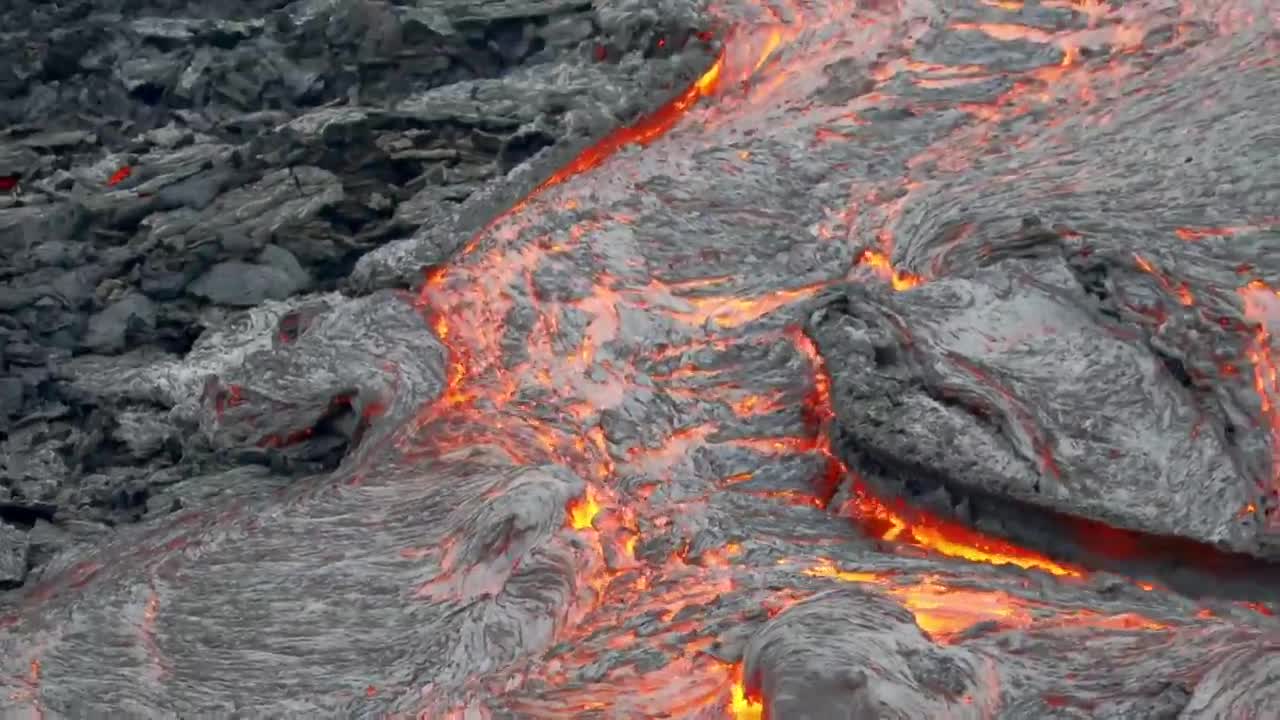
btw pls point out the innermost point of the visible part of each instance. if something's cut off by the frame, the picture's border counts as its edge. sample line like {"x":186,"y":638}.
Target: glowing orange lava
{"x":1262,"y":306}
{"x":900,"y":279}
{"x":742,"y":707}
{"x":735,"y":312}
{"x":950,"y":538}
{"x":1181,"y":291}
{"x":648,"y":129}
{"x":826,"y":568}
{"x":583,"y":511}
{"x":945,"y":612}
{"x":514,"y":407}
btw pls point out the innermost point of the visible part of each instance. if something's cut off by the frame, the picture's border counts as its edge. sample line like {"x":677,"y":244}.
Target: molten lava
{"x":643,"y":132}
{"x":119,"y":176}
{"x":879,"y":262}
{"x":1262,"y":306}
{"x":742,"y":707}
{"x":582,"y":512}
{"x":945,"y":613}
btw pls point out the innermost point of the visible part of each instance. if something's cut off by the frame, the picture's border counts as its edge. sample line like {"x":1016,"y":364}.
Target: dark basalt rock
{"x":14,"y":550}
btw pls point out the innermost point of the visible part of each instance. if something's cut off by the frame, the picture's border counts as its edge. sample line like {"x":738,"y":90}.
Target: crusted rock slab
{"x":847,"y":654}
{"x":368,"y":361}
{"x":511,"y":583}
{"x":1010,"y":382}
{"x":14,"y":550}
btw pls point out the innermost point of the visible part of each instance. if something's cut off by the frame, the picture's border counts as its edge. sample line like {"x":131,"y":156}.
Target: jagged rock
{"x":143,"y":432}
{"x":11,"y":393}
{"x":109,"y":330}
{"x":244,"y":220}
{"x":25,"y":228}
{"x":243,"y":284}
{"x":14,"y":548}
{"x":46,"y":540}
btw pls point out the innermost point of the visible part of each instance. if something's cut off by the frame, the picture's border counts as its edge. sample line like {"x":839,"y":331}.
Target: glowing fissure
{"x":1262,"y":306}
{"x":917,"y":527}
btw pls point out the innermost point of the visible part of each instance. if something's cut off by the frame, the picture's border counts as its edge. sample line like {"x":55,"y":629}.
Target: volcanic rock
{"x":847,"y":654}
{"x":243,"y":284}
{"x":989,"y":383}
{"x":14,"y":548}
{"x":11,"y":394}
{"x":110,"y":328}
{"x":161,"y":170}
{"x":367,"y":360}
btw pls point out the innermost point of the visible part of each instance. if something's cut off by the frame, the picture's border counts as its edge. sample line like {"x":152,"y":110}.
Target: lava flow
{"x":520,"y":349}
{"x":528,"y":343}
{"x":637,"y":488}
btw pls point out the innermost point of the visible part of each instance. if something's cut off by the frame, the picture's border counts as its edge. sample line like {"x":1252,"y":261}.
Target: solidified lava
{"x":627,"y":454}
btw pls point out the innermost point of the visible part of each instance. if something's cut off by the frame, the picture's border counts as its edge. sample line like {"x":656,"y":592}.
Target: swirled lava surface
{"x":697,"y":429}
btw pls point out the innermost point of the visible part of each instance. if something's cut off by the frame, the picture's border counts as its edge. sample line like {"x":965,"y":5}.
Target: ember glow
{"x":119,"y":176}
{"x":900,"y":279}
{"x":950,"y":538}
{"x":650,"y":128}
{"x":945,"y":612}
{"x":582,"y":512}
{"x":742,"y":707}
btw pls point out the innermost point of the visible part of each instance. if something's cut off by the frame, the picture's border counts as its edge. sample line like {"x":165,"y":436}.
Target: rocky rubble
{"x":166,"y":167}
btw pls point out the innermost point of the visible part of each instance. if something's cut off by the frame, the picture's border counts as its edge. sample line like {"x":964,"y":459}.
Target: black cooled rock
{"x":14,"y":549}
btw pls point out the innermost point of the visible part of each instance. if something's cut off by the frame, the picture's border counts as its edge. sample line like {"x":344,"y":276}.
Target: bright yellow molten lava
{"x":742,"y":707}
{"x":583,"y":511}
{"x":944,"y":612}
